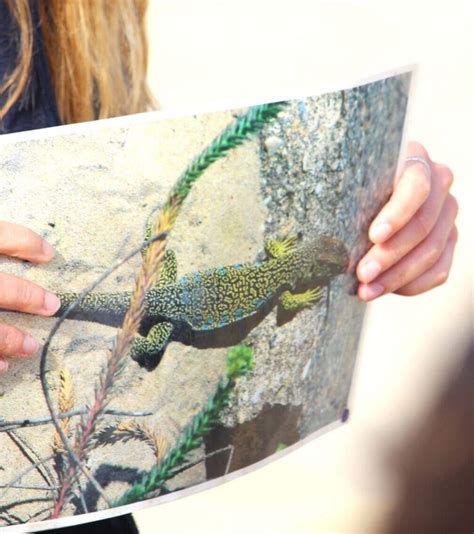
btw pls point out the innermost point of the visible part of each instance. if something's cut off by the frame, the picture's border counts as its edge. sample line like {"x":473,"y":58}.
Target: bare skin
{"x":21,"y":295}
{"x":414,"y":234}
{"x":413,"y":238}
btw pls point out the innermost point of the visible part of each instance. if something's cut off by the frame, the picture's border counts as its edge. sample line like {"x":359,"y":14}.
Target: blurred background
{"x":403,"y":462}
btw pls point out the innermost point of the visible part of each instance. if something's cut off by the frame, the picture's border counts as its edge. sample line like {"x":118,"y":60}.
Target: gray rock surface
{"x":329,"y":174}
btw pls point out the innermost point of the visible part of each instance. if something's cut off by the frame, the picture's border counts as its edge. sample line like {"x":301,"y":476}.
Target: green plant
{"x":239,"y":362}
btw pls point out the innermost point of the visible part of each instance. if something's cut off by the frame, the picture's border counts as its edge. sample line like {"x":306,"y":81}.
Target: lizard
{"x":210,"y":299}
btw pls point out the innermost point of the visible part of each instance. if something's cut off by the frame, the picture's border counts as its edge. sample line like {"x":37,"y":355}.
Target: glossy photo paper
{"x":205,"y":266}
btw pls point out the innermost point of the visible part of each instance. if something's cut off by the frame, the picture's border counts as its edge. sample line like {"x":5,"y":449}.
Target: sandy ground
{"x":210,"y":53}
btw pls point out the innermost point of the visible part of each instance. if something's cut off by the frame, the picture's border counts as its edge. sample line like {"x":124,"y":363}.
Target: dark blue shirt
{"x":36,"y":108}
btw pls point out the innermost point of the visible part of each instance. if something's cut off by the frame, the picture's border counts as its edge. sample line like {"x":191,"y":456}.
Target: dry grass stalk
{"x":142,"y":432}
{"x":132,"y":430}
{"x":66,"y":404}
{"x":117,"y":360}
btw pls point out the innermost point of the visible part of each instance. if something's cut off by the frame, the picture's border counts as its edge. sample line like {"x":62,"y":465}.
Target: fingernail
{"x":372,"y":291}
{"x":30,"y":345}
{"x":51,"y":303}
{"x":380,"y":232}
{"x":369,"y":270}
{"x":3,"y":366}
{"x":48,"y":249}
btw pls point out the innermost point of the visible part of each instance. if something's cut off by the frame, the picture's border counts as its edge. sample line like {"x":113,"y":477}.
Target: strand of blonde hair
{"x":97,"y":55}
{"x":16,"y":81}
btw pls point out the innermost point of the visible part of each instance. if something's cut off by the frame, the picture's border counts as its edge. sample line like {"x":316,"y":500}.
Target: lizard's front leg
{"x":148,"y":351}
{"x":276,"y":248}
{"x":169,"y":270}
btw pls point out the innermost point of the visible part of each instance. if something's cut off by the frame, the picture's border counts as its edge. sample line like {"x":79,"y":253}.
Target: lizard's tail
{"x":104,"y":308}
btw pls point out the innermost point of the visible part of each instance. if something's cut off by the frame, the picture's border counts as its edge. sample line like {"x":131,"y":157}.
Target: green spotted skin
{"x":217,"y":297}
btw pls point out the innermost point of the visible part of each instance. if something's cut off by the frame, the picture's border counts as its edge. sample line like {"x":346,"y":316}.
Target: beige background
{"x":208,"y":52}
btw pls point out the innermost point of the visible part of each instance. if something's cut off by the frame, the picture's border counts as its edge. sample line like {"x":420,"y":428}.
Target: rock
{"x":306,"y":162}
{"x":272,"y":144}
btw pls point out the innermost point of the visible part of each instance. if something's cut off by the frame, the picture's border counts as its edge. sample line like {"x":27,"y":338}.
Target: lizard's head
{"x":329,"y":254}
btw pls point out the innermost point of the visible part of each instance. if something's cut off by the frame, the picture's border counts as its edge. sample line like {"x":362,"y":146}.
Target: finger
{"x":383,"y":256}
{"x":419,"y":260}
{"x":411,"y":191}
{"x":21,"y":242}
{"x":437,"y":275}
{"x":22,"y":295}
{"x":415,"y":149}
{"x":14,"y":342}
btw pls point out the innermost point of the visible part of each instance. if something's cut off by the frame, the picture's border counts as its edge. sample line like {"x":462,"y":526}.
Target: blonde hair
{"x":97,"y":55}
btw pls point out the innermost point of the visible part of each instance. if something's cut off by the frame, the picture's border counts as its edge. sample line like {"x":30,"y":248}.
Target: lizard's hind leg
{"x":276,"y":248}
{"x":148,"y":351}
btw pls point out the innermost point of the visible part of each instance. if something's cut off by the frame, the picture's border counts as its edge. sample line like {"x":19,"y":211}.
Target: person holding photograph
{"x":56,"y":69}
{"x":64,"y":61}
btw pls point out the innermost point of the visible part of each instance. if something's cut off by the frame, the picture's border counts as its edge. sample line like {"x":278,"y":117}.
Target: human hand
{"x":21,"y":295}
{"x":414,"y":234}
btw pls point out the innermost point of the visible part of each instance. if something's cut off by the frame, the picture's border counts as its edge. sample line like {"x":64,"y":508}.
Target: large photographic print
{"x":205,"y":267}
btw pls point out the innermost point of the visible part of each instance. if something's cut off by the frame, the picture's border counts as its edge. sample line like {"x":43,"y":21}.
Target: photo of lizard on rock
{"x":204,"y":267}
{"x":204,"y":301}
